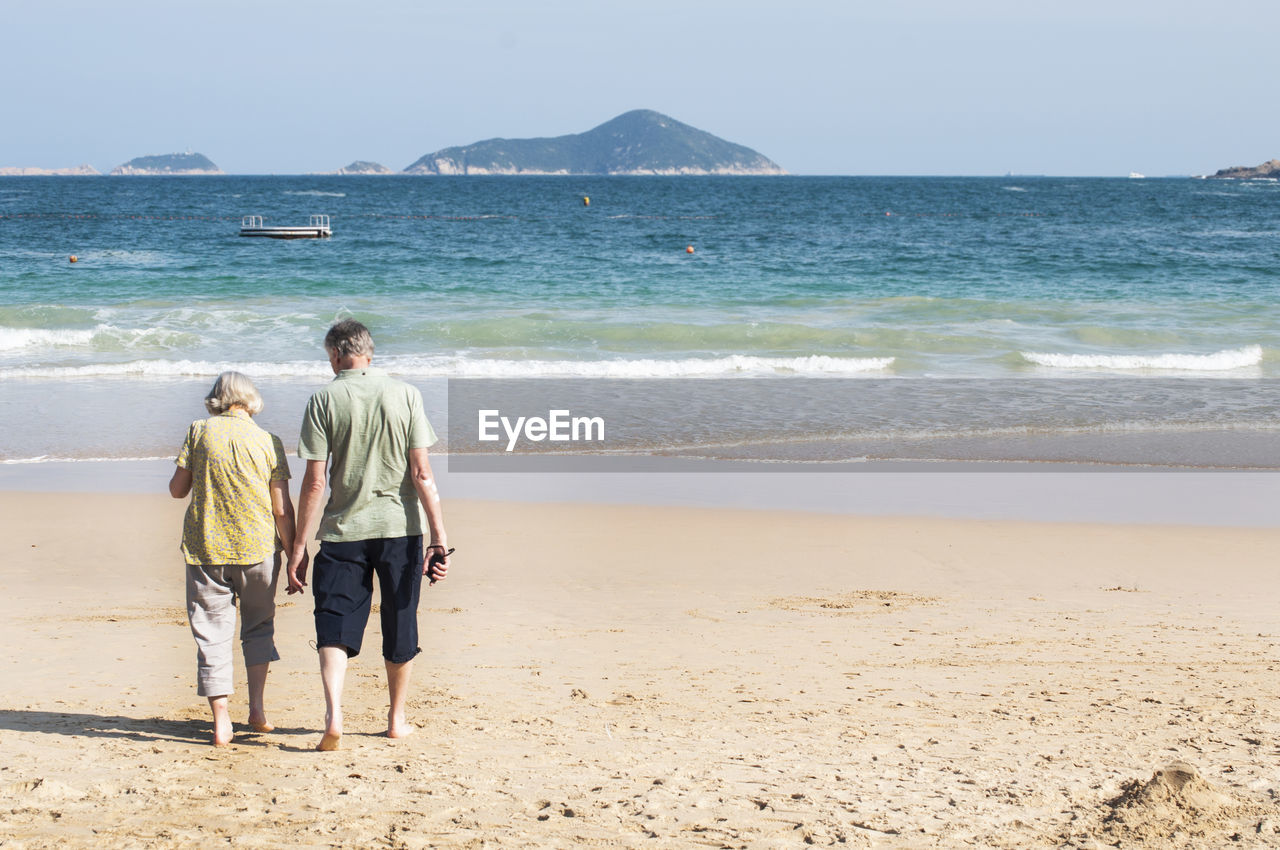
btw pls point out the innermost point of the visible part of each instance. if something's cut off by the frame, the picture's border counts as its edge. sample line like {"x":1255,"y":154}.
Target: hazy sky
{"x":911,"y":87}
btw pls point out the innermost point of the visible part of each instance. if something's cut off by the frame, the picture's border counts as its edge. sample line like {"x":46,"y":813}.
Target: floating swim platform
{"x":317,"y":228}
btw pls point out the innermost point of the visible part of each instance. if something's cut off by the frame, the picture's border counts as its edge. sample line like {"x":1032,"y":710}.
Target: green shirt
{"x":367,"y":422}
{"x":232,"y":463}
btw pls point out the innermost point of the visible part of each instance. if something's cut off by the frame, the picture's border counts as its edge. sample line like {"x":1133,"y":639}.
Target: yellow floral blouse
{"x":233,"y":462}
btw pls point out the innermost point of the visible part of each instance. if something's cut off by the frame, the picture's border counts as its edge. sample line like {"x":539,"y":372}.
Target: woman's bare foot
{"x":260,"y":724}
{"x":222,"y":729}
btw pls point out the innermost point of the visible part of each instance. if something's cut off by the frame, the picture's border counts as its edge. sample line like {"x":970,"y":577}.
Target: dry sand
{"x":662,"y":677}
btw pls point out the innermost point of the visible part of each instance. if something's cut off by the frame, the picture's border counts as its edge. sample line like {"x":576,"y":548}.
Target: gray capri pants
{"x":212,"y":592}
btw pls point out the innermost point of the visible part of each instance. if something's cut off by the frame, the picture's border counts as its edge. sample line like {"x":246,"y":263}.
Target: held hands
{"x":297,"y":572}
{"x":435,"y":566}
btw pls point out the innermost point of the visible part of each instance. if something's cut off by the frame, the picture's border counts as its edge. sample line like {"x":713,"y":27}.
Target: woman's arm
{"x":180,"y":483}
{"x":282,"y":511}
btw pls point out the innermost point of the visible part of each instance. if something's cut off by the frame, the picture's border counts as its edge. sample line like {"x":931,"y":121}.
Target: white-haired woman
{"x":239,"y":520}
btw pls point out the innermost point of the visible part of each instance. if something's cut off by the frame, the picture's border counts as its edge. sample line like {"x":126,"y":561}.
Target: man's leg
{"x":399,"y":568}
{"x":342,"y":585}
{"x":333,"y":672}
{"x":398,"y":676}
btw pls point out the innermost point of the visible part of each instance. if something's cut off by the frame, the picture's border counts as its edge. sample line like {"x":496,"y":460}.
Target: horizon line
{"x":1007,"y":175}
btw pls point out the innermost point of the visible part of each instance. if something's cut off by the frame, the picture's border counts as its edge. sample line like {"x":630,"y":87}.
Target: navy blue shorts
{"x":342,"y":583}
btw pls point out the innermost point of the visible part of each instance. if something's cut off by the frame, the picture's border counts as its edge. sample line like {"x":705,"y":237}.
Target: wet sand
{"x":614,"y":675}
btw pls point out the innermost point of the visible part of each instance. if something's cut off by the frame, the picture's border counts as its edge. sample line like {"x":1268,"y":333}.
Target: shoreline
{"x":1034,"y":492}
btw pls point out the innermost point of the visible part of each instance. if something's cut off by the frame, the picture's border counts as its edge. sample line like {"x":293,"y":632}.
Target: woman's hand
{"x":180,"y":483}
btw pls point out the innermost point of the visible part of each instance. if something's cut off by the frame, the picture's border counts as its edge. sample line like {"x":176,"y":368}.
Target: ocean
{"x":817,"y":319}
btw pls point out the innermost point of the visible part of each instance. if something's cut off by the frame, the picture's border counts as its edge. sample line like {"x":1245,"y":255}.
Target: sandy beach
{"x":668,"y":677}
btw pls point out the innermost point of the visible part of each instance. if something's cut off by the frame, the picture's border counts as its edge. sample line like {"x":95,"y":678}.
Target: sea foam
{"x":12,"y":339}
{"x":14,"y":461}
{"x":1218,"y":361}
{"x":100,"y":336}
{"x":462,"y":367}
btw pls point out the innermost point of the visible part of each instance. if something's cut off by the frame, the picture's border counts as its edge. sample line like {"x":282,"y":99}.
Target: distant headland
{"x":166,"y":164}
{"x":1245,"y":172}
{"x":75,"y":171}
{"x":638,"y":142}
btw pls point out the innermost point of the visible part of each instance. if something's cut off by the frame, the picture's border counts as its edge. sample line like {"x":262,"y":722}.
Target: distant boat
{"x":1133,"y":175}
{"x":318,"y":228}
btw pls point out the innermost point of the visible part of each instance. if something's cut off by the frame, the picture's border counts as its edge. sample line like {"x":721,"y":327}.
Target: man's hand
{"x":435,"y":566}
{"x":297,"y":571}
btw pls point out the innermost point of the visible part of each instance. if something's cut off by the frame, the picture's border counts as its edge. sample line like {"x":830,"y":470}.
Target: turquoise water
{"x":921,"y":278}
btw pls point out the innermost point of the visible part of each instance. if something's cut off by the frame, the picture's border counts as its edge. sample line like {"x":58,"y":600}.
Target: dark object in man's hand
{"x":436,"y":557}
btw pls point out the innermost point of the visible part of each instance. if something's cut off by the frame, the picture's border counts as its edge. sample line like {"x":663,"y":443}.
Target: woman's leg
{"x":223,"y":731}
{"x":212,"y":614}
{"x":256,"y":586}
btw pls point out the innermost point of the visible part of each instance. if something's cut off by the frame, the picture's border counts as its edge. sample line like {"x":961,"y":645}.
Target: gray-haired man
{"x":374,"y":431}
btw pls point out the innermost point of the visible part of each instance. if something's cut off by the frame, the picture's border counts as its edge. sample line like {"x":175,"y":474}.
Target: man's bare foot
{"x":332,"y":732}
{"x":398,"y":727}
{"x":257,"y":718}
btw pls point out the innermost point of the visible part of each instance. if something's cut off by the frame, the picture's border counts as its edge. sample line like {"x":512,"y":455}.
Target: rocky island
{"x":75,"y":171}
{"x":168,"y":164}
{"x":638,"y":142}
{"x":361,"y":166}
{"x":1244,"y":172}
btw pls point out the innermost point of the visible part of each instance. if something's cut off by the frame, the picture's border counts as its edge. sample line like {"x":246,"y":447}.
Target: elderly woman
{"x":239,"y":520}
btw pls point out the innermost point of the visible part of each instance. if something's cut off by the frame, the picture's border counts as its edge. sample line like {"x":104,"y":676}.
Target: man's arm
{"x":310,"y":506}
{"x":180,"y":483}
{"x":425,"y":485}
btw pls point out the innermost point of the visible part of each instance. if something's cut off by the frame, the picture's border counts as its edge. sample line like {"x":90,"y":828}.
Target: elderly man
{"x":373,"y":430}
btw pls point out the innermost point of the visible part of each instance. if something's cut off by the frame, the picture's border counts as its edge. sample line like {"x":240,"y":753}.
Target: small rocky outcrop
{"x":167,"y":164}
{"x":361,"y":166}
{"x":1245,"y":172}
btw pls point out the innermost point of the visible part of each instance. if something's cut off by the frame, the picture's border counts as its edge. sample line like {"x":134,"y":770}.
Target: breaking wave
{"x":12,"y":339}
{"x":462,"y":367}
{"x":1219,"y":361}
{"x":106,"y":337}
{"x":315,"y":193}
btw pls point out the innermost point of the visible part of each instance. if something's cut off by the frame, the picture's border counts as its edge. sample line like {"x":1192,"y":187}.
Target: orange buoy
{"x":689,"y":250}
{"x":74,"y":258}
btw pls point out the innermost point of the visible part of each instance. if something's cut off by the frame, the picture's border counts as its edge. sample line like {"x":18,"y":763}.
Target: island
{"x":167,"y":164}
{"x":361,"y":166}
{"x":75,"y":171}
{"x":1244,"y":172}
{"x":638,"y":142}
